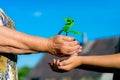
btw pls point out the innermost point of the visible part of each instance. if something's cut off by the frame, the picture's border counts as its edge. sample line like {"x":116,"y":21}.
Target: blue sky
{"x":98,"y":18}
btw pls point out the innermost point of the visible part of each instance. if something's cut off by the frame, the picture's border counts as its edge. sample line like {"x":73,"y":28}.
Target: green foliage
{"x":68,"y":25}
{"x":66,"y":28}
{"x":75,"y":32}
{"x":23,"y":72}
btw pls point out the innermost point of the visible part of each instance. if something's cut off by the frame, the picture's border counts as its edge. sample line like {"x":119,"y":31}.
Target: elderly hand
{"x":63,"y":46}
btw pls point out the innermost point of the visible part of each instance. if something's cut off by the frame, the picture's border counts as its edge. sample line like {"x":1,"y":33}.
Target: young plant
{"x":67,"y":26}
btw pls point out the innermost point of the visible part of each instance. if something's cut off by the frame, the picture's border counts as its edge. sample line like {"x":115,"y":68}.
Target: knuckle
{"x":77,"y":46}
{"x":76,"y":42}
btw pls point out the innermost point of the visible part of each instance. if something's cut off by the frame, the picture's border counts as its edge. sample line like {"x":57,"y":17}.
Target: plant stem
{"x":66,"y":33}
{"x":60,"y":32}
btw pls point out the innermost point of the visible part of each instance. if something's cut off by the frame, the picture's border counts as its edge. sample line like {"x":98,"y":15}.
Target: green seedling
{"x":67,"y":26}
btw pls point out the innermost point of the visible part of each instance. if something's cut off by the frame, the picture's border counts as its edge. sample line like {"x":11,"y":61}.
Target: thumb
{"x":64,"y":62}
{"x":68,"y":38}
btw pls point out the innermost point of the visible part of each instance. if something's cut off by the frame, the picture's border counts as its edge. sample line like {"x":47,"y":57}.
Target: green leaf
{"x":74,"y":32}
{"x":69,"y":23}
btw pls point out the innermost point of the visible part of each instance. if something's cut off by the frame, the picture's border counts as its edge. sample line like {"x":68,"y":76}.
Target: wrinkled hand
{"x":63,"y":46}
{"x":65,"y":65}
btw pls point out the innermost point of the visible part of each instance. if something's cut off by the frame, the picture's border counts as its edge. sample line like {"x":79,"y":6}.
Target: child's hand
{"x":65,"y":65}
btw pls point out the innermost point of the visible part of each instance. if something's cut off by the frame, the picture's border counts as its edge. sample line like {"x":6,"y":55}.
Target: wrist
{"x":39,"y":44}
{"x":81,"y":59}
{"x":50,"y":46}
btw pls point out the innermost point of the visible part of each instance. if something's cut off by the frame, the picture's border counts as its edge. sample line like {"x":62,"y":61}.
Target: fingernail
{"x":70,"y":38}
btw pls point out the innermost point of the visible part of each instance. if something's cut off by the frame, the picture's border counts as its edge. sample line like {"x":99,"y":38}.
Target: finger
{"x":65,"y":68}
{"x":72,"y":43}
{"x":66,"y":38}
{"x":49,"y":63}
{"x":72,"y":49}
{"x":54,"y":61}
{"x":67,"y":50}
{"x":58,"y":62}
{"x":80,"y":49}
{"x":73,"y":53}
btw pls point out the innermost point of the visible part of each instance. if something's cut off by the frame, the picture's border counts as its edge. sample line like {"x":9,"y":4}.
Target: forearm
{"x":14,"y":41}
{"x":97,"y":68}
{"x":106,"y":61}
{"x":14,"y":50}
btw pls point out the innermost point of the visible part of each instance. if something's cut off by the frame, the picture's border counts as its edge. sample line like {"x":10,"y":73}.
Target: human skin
{"x":15,"y":42}
{"x":99,"y":63}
